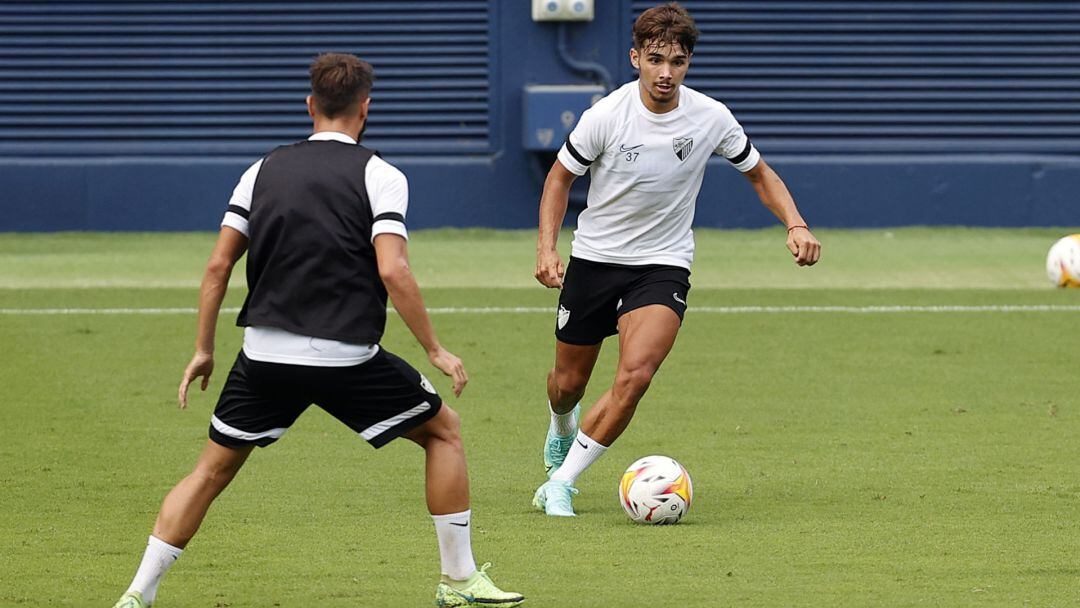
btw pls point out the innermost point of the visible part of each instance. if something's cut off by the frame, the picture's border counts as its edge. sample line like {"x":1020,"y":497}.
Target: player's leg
{"x":257,"y":405}
{"x":181,"y":513}
{"x":586,"y":316}
{"x":447,"y":491}
{"x":646,"y":336}
{"x":446,"y":473}
{"x":570,"y":375}
{"x":184,"y":507}
{"x":386,"y":398}
{"x":565,"y":385}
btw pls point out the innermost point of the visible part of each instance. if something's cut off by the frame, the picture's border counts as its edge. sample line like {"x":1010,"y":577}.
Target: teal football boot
{"x":553,"y":498}
{"x":556,"y":448}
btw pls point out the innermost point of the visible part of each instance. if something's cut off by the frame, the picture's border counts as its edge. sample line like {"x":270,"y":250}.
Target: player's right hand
{"x":202,"y":364}
{"x":549,"y":269}
{"x":449,"y":364}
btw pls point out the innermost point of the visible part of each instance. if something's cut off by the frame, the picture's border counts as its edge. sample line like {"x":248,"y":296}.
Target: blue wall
{"x":850,"y":182}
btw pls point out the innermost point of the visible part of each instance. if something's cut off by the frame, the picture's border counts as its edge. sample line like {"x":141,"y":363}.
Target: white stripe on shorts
{"x":236,"y":433}
{"x":381,"y":427}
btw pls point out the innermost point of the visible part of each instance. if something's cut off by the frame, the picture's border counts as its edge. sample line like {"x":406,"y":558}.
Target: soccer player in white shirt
{"x":646,"y":145}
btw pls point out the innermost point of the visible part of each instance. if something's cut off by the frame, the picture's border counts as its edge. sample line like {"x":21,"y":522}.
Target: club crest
{"x":564,"y":316}
{"x":426,"y":384}
{"x":682,"y":146}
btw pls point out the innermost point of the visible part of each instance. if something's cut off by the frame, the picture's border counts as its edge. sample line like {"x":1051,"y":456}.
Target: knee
{"x":632,"y":382}
{"x":445,"y":427}
{"x":451,"y":427}
{"x":213,"y":475}
{"x":568,"y":382}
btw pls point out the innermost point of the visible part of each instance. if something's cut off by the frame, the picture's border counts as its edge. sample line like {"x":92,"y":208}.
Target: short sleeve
{"x":388,"y":191}
{"x":236,"y":215}
{"x":736,"y":147}
{"x":585,"y":144}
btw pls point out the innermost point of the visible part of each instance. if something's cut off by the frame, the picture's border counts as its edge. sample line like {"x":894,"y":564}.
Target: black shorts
{"x":380,"y":399}
{"x":594,"y":296}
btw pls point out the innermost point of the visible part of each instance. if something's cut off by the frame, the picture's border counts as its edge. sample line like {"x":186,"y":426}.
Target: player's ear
{"x":635,"y":59}
{"x":310,"y":106}
{"x":364,"y":108}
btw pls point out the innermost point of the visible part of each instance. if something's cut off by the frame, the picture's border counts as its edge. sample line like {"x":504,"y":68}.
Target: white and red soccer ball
{"x":1063,"y":262}
{"x":656,"y":490}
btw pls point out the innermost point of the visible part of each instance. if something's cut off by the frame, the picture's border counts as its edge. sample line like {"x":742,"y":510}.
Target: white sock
{"x":583,"y":453}
{"x":157,"y":560}
{"x":563,"y":425}
{"x":455,"y":544}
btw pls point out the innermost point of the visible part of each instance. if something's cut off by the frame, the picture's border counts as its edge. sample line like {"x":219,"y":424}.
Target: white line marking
{"x":514,"y":310}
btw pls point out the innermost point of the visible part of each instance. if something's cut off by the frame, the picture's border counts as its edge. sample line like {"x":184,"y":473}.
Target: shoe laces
{"x":562,"y":499}
{"x":564,"y":442}
{"x":485,"y":580}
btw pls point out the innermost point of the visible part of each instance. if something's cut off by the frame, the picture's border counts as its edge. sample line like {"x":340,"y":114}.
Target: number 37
{"x":631,"y":156}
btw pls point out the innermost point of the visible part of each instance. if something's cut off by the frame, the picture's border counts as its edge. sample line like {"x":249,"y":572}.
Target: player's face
{"x":663,"y":69}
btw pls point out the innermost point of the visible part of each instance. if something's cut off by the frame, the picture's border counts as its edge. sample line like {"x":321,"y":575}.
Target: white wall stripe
{"x":513,"y":310}
{"x":225,"y":429}
{"x":381,"y":427}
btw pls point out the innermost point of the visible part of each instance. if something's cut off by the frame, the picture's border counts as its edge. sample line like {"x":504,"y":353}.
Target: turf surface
{"x":885,"y":459}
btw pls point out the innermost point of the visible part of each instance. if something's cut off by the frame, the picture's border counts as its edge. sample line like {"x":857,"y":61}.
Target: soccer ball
{"x":1063,"y":262}
{"x":656,"y":490}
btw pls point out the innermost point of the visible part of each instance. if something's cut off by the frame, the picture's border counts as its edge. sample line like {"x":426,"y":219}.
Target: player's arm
{"x":392,"y":256}
{"x":230,"y":246}
{"x":553,"y":203}
{"x":775,"y":196}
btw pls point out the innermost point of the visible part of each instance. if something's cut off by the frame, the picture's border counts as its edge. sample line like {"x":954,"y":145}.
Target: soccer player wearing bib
{"x":323,"y":224}
{"x":646,"y":146}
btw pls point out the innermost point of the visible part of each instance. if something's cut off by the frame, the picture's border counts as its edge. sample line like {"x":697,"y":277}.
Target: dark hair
{"x":665,"y":24}
{"x":340,"y":81}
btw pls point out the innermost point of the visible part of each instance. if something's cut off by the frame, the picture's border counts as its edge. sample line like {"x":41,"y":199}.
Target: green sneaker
{"x":553,"y":498}
{"x":555,"y":447}
{"x":131,"y":599}
{"x":478,"y":590}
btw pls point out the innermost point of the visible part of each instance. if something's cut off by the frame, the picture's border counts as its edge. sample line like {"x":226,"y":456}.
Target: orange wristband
{"x":798,"y":226}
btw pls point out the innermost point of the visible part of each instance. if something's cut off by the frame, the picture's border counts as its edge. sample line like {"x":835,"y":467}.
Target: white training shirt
{"x":646,"y":174}
{"x":388,"y":191}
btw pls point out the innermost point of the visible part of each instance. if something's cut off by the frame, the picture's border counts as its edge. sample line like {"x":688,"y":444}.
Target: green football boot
{"x":131,"y":599}
{"x":555,"y":447}
{"x":553,"y":498}
{"x":477,"y":591}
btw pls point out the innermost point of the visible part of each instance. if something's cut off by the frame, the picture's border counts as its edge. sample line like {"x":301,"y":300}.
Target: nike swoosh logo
{"x":583,"y":446}
{"x":464,"y":525}
{"x":677,"y":299}
{"x":626,"y":148}
{"x":465,"y":596}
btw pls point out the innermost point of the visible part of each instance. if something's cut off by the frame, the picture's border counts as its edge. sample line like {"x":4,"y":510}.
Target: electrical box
{"x":551,"y":111}
{"x":562,"y":10}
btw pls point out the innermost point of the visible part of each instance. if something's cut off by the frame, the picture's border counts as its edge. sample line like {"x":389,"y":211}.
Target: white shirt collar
{"x":332,"y":136}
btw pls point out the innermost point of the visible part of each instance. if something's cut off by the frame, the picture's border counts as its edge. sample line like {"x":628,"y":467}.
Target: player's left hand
{"x":202,"y":364}
{"x":802,"y":244}
{"x":449,"y":364}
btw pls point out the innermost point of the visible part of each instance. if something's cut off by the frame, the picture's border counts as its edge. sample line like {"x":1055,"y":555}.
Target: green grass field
{"x":907,"y":458}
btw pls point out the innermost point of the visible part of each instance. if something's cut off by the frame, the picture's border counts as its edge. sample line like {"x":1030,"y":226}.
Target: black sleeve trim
{"x":238,"y":210}
{"x":577,"y":155}
{"x":389,"y":215}
{"x":744,"y":154}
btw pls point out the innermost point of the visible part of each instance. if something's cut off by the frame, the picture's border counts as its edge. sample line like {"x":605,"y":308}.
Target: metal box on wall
{"x":551,"y":111}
